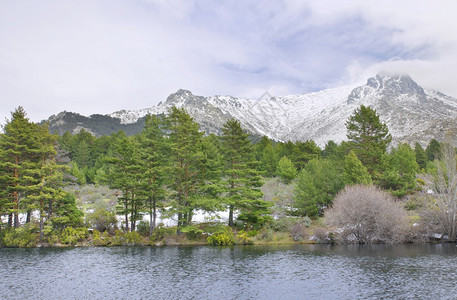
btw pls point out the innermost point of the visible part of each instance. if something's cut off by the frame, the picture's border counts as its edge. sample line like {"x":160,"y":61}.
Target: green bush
{"x":412,"y":204}
{"x":161,"y":232}
{"x":25,"y":236}
{"x":222,"y":238}
{"x":243,"y":239}
{"x":192,"y":232}
{"x":2,"y":236}
{"x":100,"y":238}
{"x":252,"y":233}
{"x":102,"y":220}
{"x":214,"y":228}
{"x":420,"y":181}
{"x":126,"y":238}
{"x":143,"y":228}
{"x":71,"y":236}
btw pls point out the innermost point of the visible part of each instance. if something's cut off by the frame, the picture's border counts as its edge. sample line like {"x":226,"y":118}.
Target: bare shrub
{"x":442,"y":211}
{"x":365,"y":214}
{"x":298,"y":232}
{"x":321,"y":235}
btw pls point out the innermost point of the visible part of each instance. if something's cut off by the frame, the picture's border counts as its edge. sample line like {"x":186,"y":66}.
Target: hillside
{"x":411,"y":112}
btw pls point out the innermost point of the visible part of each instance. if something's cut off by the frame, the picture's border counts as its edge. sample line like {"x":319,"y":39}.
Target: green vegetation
{"x":114,"y":190}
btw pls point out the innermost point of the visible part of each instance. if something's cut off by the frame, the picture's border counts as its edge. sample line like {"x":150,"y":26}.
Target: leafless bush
{"x":365,"y":214}
{"x":321,"y":235}
{"x":443,"y":209}
{"x":298,"y":232}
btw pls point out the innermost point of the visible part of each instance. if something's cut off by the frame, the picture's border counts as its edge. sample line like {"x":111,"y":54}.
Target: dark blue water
{"x":247,"y":272}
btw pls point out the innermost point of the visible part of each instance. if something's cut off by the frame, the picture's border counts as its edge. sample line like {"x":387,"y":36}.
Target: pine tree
{"x":212,"y":168}
{"x":186,"y":158}
{"x":5,"y":197}
{"x":45,"y":191}
{"x":370,"y":137}
{"x":421,"y":156}
{"x":330,"y":149}
{"x":354,"y":171}
{"x":269,"y":160}
{"x":18,"y":146}
{"x":153,"y":162}
{"x":242,"y":180}
{"x":316,"y":186}
{"x":433,"y":150}
{"x":400,"y":169}
{"x":82,"y":154}
{"x":286,"y":170}
{"x":31,"y":177}
{"x":260,"y":146}
{"x":303,"y":152}
{"x":124,"y":173}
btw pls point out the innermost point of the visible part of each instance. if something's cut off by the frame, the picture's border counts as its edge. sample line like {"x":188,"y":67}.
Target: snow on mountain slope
{"x":411,"y":113}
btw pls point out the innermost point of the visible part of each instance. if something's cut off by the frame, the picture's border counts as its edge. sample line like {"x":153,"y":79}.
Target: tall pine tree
{"x":241,"y":179}
{"x":186,"y":156}
{"x":354,"y":171}
{"x":124,"y":173}
{"x":18,"y":146}
{"x":369,"y":136}
{"x":153,"y":163}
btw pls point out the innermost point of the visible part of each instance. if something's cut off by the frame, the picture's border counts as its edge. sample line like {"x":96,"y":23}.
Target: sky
{"x":101,"y":56}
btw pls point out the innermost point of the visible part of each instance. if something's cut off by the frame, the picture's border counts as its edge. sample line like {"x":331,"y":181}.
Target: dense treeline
{"x":172,"y":167}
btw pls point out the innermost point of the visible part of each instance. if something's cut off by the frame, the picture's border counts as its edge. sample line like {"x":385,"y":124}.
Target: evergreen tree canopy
{"x":269,"y":160}
{"x":153,"y":165}
{"x":124,"y":173}
{"x":421,"y":156}
{"x":286,"y":170}
{"x":400,"y":169}
{"x":303,"y":152}
{"x":31,"y":177}
{"x":242,"y":180}
{"x":186,"y":164}
{"x":433,"y":150}
{"x":316,"y":186}
{"x":354,"y":171}
{"x":370,"y":137}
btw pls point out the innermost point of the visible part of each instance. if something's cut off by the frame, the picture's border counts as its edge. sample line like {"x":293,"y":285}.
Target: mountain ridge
{"x":412,"y":113}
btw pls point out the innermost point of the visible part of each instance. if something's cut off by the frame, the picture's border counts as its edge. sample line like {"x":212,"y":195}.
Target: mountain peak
{"x":179,"y":97}
{"x":412,"y":113}
{"x":388,"y":85}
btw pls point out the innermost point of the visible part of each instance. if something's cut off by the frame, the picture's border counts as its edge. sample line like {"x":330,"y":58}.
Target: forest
{"x":363,"y":190}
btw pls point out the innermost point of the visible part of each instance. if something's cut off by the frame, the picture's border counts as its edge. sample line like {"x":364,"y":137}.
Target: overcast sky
{"x":100,"y":56}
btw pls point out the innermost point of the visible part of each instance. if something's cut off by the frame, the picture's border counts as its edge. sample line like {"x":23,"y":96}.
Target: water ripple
{"x":248,"y":272}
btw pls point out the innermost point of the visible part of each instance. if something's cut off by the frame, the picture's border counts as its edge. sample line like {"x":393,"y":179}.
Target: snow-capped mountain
{"x":411,"y":113}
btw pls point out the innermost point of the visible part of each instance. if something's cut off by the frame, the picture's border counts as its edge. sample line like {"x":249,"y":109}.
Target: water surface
{"x":241,"y":272}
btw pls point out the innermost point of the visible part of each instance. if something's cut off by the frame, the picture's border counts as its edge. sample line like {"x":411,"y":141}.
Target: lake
{"x":241,"y":272}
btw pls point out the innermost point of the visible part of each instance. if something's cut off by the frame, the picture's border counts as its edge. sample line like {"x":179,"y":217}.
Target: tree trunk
{"x":41,"y":227}
{"x":16,"y":209}
{"x":127,"y":221}
{"x":16,"y":195}
{"x":180,"y":223}
{"x":16,"y":220}
{"x":27,"y":219}
{"x":154,"y":214}
{"x":41,"y":220}
{"x":230,"y":215}
{"x":10,"y":220}
{"x":151,"y":229}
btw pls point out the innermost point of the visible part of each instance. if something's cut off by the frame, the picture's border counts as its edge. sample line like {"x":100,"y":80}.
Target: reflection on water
{"x":247,"y":272}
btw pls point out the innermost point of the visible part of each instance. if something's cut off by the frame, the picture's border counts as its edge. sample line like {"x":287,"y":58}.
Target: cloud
{"x":101,"y":56}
